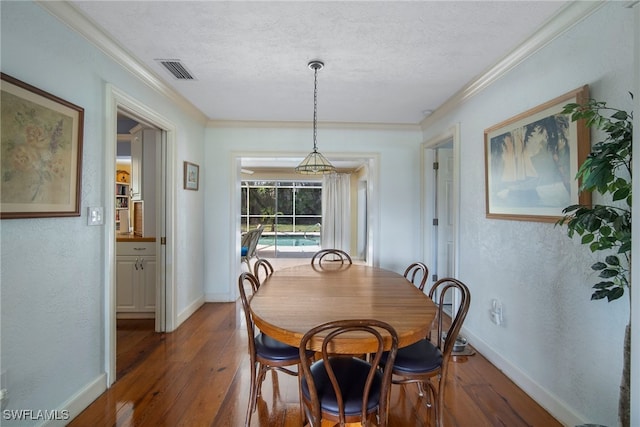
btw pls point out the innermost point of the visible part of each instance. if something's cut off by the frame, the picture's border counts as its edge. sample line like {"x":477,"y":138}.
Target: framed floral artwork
{"x":191,"y":176}
{"x":40,"y":152}
{"x":531,"y":161}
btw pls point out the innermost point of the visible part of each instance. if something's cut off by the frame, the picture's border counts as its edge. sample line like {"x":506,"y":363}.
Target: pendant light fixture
{"x":315,"y":163}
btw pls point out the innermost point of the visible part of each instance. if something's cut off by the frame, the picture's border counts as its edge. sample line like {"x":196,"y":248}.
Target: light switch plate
{"x":95,"y":216}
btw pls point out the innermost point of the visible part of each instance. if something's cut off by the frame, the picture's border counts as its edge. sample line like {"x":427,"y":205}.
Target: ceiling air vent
{"x":176,"y":68}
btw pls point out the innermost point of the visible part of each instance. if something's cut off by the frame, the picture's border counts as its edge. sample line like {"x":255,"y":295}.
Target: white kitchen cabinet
{"x":135,"y":279}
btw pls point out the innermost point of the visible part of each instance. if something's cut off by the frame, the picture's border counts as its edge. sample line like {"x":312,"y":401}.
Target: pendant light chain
{"x":315,"y":109}
{"x":315,"y":163}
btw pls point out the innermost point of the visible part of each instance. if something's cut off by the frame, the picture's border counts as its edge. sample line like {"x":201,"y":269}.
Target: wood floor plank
{"x":198,"y":375}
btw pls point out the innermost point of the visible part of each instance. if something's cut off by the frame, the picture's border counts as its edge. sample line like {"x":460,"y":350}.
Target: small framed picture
{"x":191,"y":176}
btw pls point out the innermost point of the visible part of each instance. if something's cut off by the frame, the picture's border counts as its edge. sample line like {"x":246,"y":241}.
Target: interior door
{"x":444,"y":203}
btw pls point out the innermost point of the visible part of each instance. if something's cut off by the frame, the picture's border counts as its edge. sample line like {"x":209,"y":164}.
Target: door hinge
{"x":434,"y":277}
{"x":435,"y":221}
{"x":163,"y":240}
{"x":436,"y":165}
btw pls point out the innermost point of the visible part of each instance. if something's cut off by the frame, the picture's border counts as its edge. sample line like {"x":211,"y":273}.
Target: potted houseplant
{"x":606,"y":227}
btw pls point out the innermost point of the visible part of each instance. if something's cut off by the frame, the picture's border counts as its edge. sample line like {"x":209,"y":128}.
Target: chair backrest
{"x":463,"y":298}
{"x":339,"y":367}
{"x":265,"y":266}
{"x":253,"y":243}
{"x":250,"y":241}
{"x":331,"y":255}
{"x":246,"y":238}
{"x":248,"y":281}
{"x":417,"y":270}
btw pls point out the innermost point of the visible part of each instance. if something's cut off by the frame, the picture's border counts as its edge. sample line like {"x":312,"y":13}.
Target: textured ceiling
{"x":385,"y":61}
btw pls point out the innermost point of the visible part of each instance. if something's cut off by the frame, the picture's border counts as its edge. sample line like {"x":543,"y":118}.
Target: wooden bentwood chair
{"x":265,"y":352}
{"x":334,"y":255}
{"x":249,"y":245}
{"x":347,"y":389}
{"x":262,"y":265}
{"x":417,"y":270}
{"x":424,"y":361}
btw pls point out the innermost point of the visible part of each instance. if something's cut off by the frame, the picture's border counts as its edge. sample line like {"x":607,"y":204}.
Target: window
{"x":282,"y":206}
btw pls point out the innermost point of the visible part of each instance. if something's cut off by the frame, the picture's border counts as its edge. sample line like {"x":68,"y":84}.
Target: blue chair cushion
{"x":272,"y":349}
{"x":421,"y":357}
{"x":351,"y":374}
{"x":244,"y":250}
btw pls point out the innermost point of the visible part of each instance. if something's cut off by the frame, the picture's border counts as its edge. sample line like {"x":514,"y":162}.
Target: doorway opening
{"x":137,"y":172}
{"x":157,"y":224}
{"x":258,"y":168}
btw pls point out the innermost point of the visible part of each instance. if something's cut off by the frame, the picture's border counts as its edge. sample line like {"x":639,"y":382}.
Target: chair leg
{"x":303,"y":414}
{"x":262,"y":373}
{"x":253,"y":395}
{"x":276,"y":384}
{"x":440,"y":403}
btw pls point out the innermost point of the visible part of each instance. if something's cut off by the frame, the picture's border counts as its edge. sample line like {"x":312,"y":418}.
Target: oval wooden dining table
{"x":293,"y":300}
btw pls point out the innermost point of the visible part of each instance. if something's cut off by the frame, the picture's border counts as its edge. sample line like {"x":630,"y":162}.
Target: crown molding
{"x":77,"y":21}
{"x":567,"y":17}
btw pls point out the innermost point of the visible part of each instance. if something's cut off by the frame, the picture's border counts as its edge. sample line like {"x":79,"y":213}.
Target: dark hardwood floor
{"x":198,"y":375}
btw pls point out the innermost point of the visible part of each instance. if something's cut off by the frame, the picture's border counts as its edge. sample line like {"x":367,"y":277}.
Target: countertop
{"x":133,"y":238}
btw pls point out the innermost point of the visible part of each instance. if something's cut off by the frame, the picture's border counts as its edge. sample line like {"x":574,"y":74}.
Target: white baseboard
{"x":542,"y":396}
{"x":80,"y":401}
{"x":219,"y":297}
{"x":191,"y":308}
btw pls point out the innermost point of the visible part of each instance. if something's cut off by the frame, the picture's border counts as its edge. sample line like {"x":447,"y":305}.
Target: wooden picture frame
{"x":40,"y":151}
{"x":531,"y":162}
{"x":191,"y":176}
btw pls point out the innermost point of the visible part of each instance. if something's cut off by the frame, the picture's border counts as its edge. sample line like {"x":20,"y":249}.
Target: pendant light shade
{"x":315,"y":163}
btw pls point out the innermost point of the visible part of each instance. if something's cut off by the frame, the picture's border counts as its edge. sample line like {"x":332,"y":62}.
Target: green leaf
{"x":599,"y":266}
{"x":615,"y":293}
{"x":620,"y":115}
{"x":587,"y":238}
{"x":603,"y":285}
{"x":599,"y":294}
{"x":625,"y":247}
{"x":612,"y":260}
{"x":621,"y":194}
{"x":607,"y":273}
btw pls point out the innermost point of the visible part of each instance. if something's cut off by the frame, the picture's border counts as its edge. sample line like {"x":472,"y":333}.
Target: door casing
{"x":431,"y":198}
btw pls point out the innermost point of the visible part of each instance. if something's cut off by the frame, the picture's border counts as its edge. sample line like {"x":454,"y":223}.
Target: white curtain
{"x":336,"y":211}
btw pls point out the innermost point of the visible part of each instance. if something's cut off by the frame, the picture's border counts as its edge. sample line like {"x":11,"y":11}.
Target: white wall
{"x":397,"y":195}
{"x":52,"y":269}
{"x":562,"y":348}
